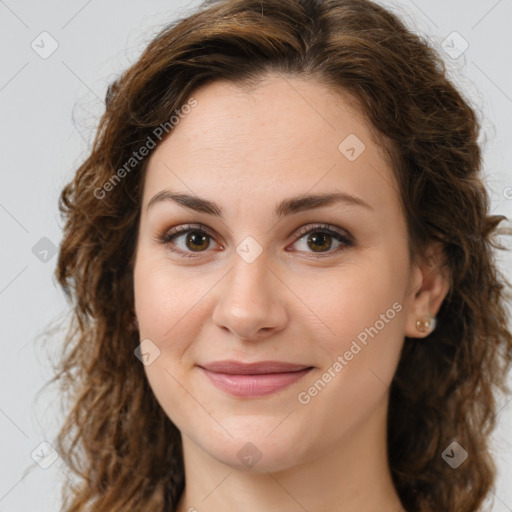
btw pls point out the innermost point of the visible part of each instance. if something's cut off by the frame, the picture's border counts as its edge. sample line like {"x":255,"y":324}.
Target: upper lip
{"x":238,"y":368}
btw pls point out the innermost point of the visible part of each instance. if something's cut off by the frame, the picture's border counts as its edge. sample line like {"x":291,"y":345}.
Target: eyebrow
{"x":286,"y":207}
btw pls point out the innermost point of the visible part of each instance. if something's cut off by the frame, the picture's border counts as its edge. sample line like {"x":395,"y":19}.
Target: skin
{"x":247,"y":150}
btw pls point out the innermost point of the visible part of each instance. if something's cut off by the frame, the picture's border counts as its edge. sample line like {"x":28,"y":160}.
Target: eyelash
{"x":168,"y":237}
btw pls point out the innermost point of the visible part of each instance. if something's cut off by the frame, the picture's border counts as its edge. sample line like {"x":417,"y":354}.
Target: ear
{"x":429,"y":285}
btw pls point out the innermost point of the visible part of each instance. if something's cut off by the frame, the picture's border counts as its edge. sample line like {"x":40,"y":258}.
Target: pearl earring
{"x":426,"y":324}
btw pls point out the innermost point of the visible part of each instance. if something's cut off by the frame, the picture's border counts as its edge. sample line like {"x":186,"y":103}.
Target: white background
{"x":48,"y":112}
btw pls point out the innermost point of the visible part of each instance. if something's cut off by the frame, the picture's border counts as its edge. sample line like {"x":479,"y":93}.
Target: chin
{"x":253,"y":450}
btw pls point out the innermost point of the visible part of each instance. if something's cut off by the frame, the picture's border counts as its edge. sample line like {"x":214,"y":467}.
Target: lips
{"x":239,"y":368}
{"x":253,"y":379}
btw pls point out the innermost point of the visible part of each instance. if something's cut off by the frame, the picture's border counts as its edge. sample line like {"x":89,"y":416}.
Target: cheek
{"x":173,"y":306}
{"x":349,"y":301}
{"x":162,"y":297}
{"x":159,"y":312}
{"x":366,"y":314}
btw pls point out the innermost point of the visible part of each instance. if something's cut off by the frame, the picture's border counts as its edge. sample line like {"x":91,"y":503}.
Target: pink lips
{"x":253,"y":379}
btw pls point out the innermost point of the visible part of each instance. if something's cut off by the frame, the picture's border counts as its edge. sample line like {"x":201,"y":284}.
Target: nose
{"x":250,"y":300}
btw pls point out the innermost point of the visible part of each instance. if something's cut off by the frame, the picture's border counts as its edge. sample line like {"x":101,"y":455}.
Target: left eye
{"x":197,"y":240}
{"x":320,"y":237}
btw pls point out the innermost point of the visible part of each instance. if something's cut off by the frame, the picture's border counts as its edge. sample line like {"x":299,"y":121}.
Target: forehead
{"x":286,"y":135}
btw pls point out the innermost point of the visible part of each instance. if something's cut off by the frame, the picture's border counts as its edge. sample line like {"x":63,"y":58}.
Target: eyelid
{"x":329,"y":228}
{"x":184,"y":228}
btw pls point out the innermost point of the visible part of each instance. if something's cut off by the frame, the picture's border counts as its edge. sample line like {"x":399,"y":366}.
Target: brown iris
{"x":201,"y":241}
{"x":319,"y":241}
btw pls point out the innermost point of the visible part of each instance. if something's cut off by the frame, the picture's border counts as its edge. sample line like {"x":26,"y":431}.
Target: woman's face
{"x":324,"y":285}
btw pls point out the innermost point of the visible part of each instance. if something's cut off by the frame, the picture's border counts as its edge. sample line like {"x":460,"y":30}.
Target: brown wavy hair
{"x":116,"y":439}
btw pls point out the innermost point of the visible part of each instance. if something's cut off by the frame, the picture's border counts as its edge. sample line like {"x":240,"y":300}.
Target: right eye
{"x":195,"y":240}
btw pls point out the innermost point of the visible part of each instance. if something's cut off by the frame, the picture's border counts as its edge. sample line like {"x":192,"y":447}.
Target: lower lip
{"x":254,"y":385}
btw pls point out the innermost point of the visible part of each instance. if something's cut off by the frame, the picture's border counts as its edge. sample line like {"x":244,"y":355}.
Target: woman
{"x":281,"y":263}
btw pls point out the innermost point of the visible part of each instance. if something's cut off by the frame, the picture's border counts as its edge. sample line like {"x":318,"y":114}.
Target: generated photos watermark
{"x":344,"y":359}
{"x":150,"y":143}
